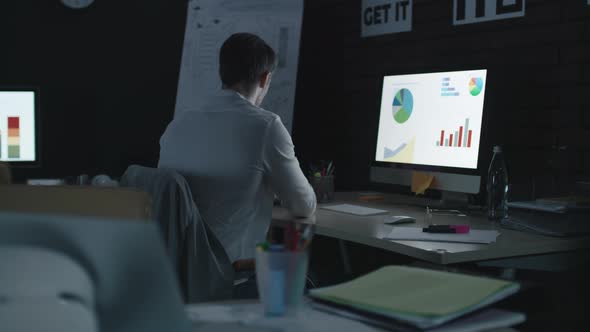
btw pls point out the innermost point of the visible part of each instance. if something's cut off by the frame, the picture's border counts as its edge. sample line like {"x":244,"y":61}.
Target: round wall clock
{"x":77,"y":4}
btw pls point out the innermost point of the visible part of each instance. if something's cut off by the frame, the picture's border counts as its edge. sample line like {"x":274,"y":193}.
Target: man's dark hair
{"x":243,"y":58}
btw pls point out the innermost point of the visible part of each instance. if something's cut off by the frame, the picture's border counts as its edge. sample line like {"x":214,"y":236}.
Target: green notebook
{"x":423,"y":298}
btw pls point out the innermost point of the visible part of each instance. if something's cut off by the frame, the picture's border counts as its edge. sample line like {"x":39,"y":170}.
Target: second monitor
{"x":18,"y":126}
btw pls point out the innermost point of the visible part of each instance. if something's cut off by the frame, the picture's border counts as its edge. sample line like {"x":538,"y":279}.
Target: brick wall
{"x":537,"y":98}
{"x":107,"y":77}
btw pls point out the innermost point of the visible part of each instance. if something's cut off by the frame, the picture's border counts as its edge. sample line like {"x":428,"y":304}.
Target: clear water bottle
{"x":497,"y":186}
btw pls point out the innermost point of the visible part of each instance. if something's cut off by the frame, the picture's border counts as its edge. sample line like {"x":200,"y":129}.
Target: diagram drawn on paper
{"x":211,"y":22}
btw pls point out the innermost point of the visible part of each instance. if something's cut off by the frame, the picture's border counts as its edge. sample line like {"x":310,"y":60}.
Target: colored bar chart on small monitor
{"x":460,"y":138}
{"x":13,"y":137}
{"x":17,"y":126}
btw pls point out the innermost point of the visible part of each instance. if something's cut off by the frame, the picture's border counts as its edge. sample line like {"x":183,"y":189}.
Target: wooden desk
{"x":371,"y":230}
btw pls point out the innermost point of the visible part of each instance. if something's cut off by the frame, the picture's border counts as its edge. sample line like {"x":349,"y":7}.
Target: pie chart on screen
{"x":475,"y":86}
{"x":403,"y":104}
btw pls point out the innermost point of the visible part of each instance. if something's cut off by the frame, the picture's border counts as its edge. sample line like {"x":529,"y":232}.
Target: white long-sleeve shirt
{"x":235,"y":157}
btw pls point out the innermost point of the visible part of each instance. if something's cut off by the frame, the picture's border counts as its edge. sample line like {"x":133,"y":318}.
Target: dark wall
{"x":107,"y":77}
{"x":537,"y":94}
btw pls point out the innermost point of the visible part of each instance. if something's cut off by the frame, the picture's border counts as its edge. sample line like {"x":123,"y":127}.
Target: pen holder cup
{"x":323,"y":186}
{"x":281,"y":280}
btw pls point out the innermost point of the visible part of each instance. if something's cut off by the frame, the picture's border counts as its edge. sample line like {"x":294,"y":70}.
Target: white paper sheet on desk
{"x":250,"y":317}
{"x":416,"y":234}
{"x":354,"y":209}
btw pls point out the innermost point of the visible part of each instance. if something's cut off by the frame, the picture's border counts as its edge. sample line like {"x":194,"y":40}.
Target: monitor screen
{"x":17,"y":126}
{"x":432,"y":119}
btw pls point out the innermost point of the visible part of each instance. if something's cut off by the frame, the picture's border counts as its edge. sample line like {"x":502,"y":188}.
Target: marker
{"x":329,"y":169}
{"x":305,"y":238}
{"x":263,"y":246}
{"x":276,"y":248}
{"x":292,"y":236}
{"x":452,"y":229}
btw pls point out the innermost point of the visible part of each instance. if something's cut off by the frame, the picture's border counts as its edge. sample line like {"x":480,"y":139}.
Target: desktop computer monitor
{"x":431,"y":122}
{"x":18,"y":126}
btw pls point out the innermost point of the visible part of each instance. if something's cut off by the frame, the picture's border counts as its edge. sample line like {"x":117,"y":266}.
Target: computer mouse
{"x":396,"y":220}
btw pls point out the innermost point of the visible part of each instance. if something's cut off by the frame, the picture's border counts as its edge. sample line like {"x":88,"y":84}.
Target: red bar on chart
{"x":469,"y":140}
{"x":460,"y":135}
{"x":451,"y":140}
{"x":442,"y":137}
{"x":13,"y":122}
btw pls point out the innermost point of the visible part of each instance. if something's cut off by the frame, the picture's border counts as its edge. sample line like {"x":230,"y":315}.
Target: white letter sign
{"x":379,"y":17}
{"x":475,"y":11}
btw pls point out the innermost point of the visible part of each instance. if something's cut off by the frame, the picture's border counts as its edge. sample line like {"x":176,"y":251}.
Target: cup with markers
{"x":321,"y":179}
{"x":281,"y":268}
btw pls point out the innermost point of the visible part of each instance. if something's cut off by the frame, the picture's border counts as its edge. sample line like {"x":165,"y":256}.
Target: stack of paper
{"x":354,"y":209}
{"x":419,"y":297}
{"x":416,"y":234}
{"x":555,"y":207}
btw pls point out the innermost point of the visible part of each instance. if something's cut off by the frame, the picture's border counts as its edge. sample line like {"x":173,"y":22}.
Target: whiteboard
{"x":211,"y":22}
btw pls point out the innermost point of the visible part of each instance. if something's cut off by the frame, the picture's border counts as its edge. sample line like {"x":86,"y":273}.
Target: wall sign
{"x":475,"y":11}
{"x":379,"y":17}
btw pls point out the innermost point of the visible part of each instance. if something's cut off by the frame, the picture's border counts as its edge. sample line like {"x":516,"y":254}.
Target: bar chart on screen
{"x":13,"y":137}
{"x":460,"y":138}
{"x":17,"y":126}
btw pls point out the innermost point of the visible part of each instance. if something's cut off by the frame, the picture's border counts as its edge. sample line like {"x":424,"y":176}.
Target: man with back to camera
{"x":236,"y":155}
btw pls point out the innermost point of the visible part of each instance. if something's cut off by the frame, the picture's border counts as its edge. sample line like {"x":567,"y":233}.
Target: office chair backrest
{"x":203,"y":267}
{"x":44,"y":290}
{"x":121,"y":203}
{"x":134,"y":287}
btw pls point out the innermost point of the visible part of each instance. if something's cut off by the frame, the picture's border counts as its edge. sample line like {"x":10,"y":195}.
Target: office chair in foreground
{"x":85,"y":274}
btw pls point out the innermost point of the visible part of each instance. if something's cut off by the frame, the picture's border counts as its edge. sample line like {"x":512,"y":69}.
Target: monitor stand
{"x":454,"y":188}
{"x":449,"y":200}
{"x":453,"y":200}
